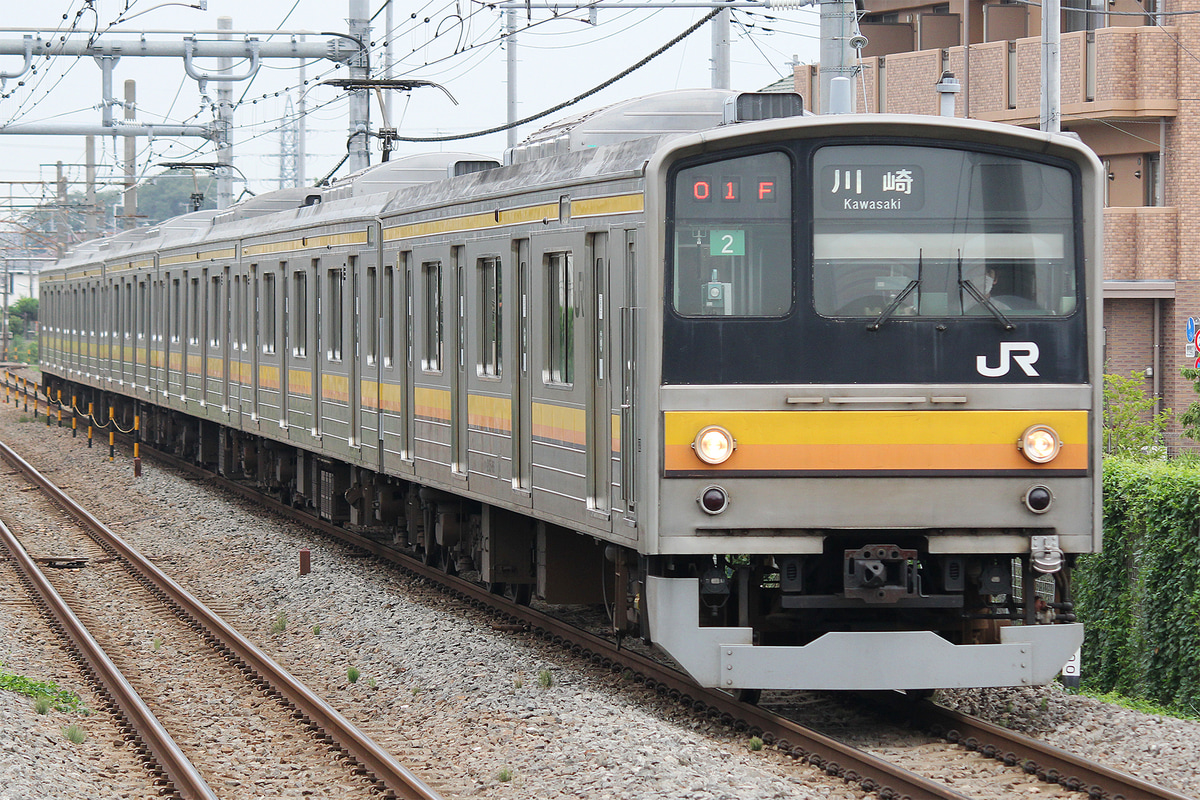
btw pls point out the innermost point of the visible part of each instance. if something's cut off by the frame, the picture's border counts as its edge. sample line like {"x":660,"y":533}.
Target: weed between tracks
{"x":56,"y":698}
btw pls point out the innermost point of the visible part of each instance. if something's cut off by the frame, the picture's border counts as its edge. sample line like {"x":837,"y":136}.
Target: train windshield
{"x":733,"y":238}
{"x":908,"y":231}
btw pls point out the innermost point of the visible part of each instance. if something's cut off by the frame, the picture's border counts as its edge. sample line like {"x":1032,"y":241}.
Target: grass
{"x":1141,"y":704}
{"x":157,"y":642}
{"x":755,"y":743}
{"x":75,"y":734}
{"x":280,"y":623}
{"x":545,"y":679}
{"x":353,"y":674}
{"x":316,"y":629}
{"x":41,"y":705}
{"x":504,"y":775}
{"x":56,"y":698}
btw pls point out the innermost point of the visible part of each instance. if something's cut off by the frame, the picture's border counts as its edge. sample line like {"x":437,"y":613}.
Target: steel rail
{"x":1048,"y":762}
{"x":869,"y":772}
{"x":310,"y":707}
{"x":165,"y":752}
{"x":863,"y":769}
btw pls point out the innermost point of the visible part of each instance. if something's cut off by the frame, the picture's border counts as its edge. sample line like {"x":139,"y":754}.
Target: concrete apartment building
{"x":1130,"y":90}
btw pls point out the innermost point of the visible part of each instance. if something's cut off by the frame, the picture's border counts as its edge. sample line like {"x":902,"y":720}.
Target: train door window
{"x":560,"y":323}
{"x":334,"y":314}
{"x":492,"y":324}
{"x":130,"y":311}
{"x":214,"y":312}
{"x":267,"y":312}
{"x":176,"y":310}
{"x":194,"y":311}
{"x":299,"y":313}
{"x":431,"y":358}
{"x":388,"y":345}
{"x":143,"y":327}
{"x":371,"y":323}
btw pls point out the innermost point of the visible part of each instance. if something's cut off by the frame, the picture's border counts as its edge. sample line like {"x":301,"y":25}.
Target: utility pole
{"x":61,"y":226}
{"x":131,"y":210}
{"x":92,"y":217}
{"x":1051,"y":111}
{"x":720,"y":50}
{"x":839,"y":35}
{"x":510,"y":52}
{"x":224,"y":120}
{"x":360,"y":99}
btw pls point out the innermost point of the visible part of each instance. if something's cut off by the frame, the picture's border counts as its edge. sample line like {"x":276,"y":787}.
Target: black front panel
{"x":906,"y":264}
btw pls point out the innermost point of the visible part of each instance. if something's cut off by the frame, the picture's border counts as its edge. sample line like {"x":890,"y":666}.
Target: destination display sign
{"x":853,"y":189}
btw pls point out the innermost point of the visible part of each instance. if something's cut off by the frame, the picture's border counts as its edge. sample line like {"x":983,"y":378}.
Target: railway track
{"x":857,"y":767}
{"x":284,"y":736}
{"x":1020,"y":754}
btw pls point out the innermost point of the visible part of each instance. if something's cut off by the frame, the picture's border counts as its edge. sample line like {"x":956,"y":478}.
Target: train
{"x":805,"y":401}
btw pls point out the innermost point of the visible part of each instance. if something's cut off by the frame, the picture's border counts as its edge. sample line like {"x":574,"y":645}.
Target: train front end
{"x":877,"y":402}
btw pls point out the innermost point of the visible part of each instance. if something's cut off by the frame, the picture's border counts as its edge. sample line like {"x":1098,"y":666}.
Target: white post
{"x":1051,"y":112}
{"x":720,"y":50}
{"x":510,"y":52}
{"x":360,"y":99}
{"x":225,"y":120}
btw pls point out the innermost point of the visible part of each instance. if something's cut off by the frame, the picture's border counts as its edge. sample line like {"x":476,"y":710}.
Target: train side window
{"x":267,"y":312}
{"x":491,"y":353}
{"x":300,"y":313}
{"x":334,"y":314}
{"x":560,"y":323}
{"x":431,"y":358}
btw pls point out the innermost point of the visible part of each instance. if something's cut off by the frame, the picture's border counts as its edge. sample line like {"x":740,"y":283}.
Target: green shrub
{"x":1140,"y":598}
{"x":352,"y":674}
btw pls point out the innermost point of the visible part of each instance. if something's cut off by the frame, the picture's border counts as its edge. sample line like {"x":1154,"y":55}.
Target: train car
{"x":807,"y":402}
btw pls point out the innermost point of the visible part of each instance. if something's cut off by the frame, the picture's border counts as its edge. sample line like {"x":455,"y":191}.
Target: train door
{"x":599,"y":424}
{"x":628,"y":394}
{"x":521,"y":390}
{"x":225,"y":345}
{"x":362,"y":273}
{"x":317,"y":340}
{"x":286,"y":385}
{"x":370,"y":432}
{"x":394,"y":367}
{"x":459,"y":435}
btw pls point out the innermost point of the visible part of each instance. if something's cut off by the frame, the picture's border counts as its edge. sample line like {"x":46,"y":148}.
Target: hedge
{"x":1140,"y":597}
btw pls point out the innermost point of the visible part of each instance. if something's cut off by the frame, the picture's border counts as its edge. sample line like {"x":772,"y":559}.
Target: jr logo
{"x":1024,"y":353}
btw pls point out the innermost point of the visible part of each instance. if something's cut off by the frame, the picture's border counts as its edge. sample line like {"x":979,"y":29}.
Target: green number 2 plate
{"x":727,"y":243}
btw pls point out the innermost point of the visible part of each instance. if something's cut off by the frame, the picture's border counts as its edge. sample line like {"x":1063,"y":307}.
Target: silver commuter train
{"x":809,"y":402}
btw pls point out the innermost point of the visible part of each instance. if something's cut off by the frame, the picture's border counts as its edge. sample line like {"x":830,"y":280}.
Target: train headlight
{"x":1040,"y":444}
{"x":714,"y":445}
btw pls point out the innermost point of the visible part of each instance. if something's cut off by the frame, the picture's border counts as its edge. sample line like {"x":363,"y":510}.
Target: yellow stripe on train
{"x":820,"y":441}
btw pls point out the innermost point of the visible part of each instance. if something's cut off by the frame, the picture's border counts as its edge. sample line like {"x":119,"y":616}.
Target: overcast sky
{"x":452,"y":43}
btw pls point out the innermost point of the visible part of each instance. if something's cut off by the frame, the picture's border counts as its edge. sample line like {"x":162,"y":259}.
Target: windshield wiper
{"x":887,"y":312}
{"x":905,"y":292}
{"x":982,"y":299}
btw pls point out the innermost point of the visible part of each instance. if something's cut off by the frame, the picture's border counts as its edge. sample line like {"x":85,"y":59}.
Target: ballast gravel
{"x":475,"y":711}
